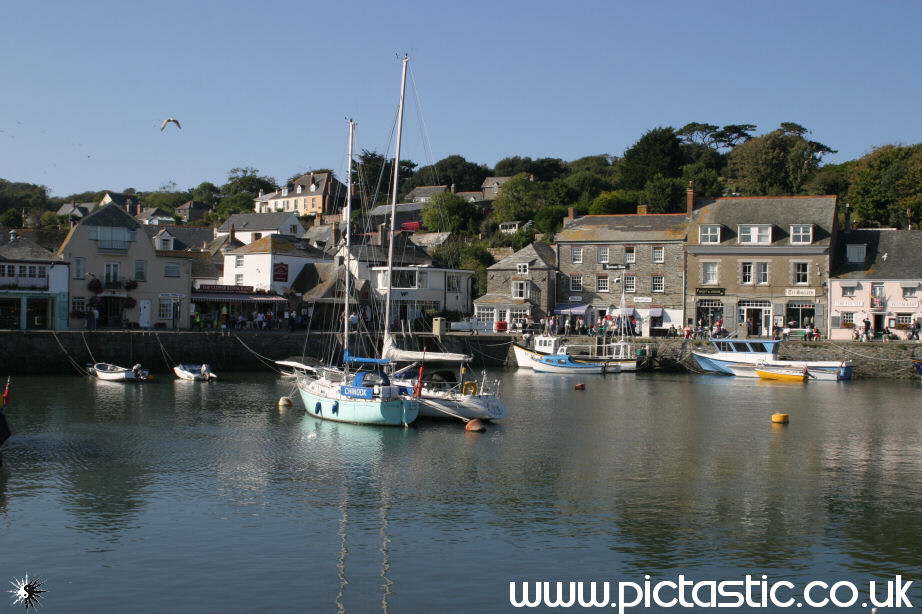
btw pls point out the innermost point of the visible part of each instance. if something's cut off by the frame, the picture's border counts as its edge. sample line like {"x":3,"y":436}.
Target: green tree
{"x":663,"y":195}
{"x":452,"y":170}
{"x":780,"y":162}
{"x":559,"y":193}
{"x":657,"y":152}
{"x":166,"y":200}
{"x":587,"y":186}
{"x":519,"y":200}
{"x":11,"y":218}
{"x":542,"y":169}
{"x":207,"y":193}
{"x":243,"y":185}
{"x":732,"y":135}
{"x":831,"y":179}
{"x":549,"y":220}
{"x":616,"y":201}
{"x":706,"y":180}
{"x":885,"y":185}
{"x":477,"y":259}
{"x":447,"y":212}
{"x":373,"y":174}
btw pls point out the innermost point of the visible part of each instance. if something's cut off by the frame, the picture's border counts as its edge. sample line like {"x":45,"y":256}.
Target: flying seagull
{"x":170,"y":120}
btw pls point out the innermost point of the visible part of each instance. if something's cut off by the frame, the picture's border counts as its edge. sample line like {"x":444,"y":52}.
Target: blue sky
{"x":267,"y":84}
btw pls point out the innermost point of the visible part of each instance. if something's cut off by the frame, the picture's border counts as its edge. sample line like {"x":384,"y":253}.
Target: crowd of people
{"x":866,"y":332}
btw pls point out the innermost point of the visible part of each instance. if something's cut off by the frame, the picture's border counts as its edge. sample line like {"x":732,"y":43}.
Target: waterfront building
{"x":33,"y":285}
{"x":418,"y":291}
{"x":522,"y":286}
{"x":269,"y":264}
{"x":877,"y":277}
{"x":310,"y":194}
{"x":759,"y":262}
{"x":642,"y":254}
{"x":115,"y":269}
{"x":249,"y":227}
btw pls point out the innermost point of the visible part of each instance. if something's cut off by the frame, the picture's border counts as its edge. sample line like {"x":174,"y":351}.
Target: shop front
{"x":221,"y":307}
{"x":27,"y":312}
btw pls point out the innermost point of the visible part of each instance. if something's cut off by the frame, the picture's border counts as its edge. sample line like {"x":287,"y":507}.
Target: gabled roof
{"x":889,"y":254}
{"x":427,"y":190}
{"x":193,"y":204}
{"x":401,"y":208}
{"x":471,"y":196}
{"x":631,"y":227}
{"x":21,"y":248}
{"x":184,"y":237}
{"x":779,"y":211}
{"x":490,"y":181}
{"x":279,"y":245}
{"x":324,"y":183}
{"x":75,"y":209}
{"x":405,"y":252}
{"x":246,"y":222}
{"x":536,"y":255}
{"x":320,"y":280}
{"x":223,"y":243}
{"x":110,"y":215}
{"x":149,"y":212}
{"x":205,"y":265}
{"x":121,"y":199}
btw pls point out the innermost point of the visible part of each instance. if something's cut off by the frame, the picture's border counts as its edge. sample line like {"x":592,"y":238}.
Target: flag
{"x":6,"y":393}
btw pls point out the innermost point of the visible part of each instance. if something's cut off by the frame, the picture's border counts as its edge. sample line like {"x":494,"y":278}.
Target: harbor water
{"x":177,"y":496}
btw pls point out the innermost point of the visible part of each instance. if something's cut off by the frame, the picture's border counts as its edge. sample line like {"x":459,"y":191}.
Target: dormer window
{"x":313,"y":187}
{"x":855,"y":253}
{"x":755,"y":234}
{"x":298,"y":189}
{"x":285,"y":191}
{"x":709,"y":233}
{"x":522,"y":269}
{"x":802,"y":234}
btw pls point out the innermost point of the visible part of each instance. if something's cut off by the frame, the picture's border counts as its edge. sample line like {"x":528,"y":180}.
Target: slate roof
{"x":280,"y":244}
{"x":22,"y":248}
{"x":471,"y":196}
{"x":149,"y":212}
{"x":121,"y":199}
{"x":110,"y":215}
{"x":536,"y":256}
{"x":184,"y":237}
{"x":401,"y":208}
{"x":75,"y":209}
{"x":499,"y":299}
{"x":325,"y":183}
{"x":206,"y":265}
{"x":319,"y":280}
{"x":624,"y":228}
{"x":489,"y":181}
{"x":247,"y":222}
{"x":779,"y":211}
{"x":405,"y":252}
{"x":224,"y":242}
{"x":427,"y":191}
{"x":193,"y":204}
{"x":889,"y":254}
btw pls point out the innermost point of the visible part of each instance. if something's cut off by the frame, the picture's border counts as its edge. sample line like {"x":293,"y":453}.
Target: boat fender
{"x":469,"y":388}
{"x":475,"y":425}
{"x":779,"y":418}
{"x":317,"y":408}
{"x":335,"y":408}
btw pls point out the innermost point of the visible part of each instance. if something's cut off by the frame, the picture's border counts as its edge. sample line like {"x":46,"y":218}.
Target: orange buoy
{"x":475,"y":426}
{"x":579,"y":387}
{"x":780,"y":418}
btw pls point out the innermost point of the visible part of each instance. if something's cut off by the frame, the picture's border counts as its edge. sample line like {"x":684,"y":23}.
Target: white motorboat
{"x":197,"y":373}
{"x":741,"y":357}
{"x":114,"y":373}
{"x":564,"y":363}
{"x":615,"y":353}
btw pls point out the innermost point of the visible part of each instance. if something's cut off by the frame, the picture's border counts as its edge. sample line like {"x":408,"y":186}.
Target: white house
{"x":33,"y":285}
{"x":417,"y":289}
{"x":249,"y":227}
{"x":270,"y":263}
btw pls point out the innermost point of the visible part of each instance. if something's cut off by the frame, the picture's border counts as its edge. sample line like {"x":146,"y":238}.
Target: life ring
{"x":469,"y":388}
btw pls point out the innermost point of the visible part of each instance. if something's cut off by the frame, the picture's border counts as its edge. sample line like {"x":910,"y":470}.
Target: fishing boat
{"x":740,"y":357}
{"x":196,"y":373}
{"x":779,"y":374}
{"x":564,"y":363}
{"x":365,"y":396}
{"x":114,"y":373}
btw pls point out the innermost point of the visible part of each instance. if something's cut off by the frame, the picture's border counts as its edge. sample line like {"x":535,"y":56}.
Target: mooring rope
{"x":166,"y":355}
{"x":73,"y":362}
{"x":263,"y":359}
{"x":82,"y":334}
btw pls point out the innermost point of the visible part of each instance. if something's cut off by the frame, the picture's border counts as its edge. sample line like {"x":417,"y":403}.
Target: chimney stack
{"x":336,"y":234}
{"x":847,"y":221}
{"x":571,"y":214}
{"x":690,"y":198}
{"x":233,"y":234}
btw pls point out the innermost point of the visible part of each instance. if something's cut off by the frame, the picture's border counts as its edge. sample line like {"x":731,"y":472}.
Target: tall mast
{"x":390,"y":240}
{"x":347,"y":213}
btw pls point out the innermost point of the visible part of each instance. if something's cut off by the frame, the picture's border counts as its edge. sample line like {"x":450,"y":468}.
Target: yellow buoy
{"x":780,"y":418}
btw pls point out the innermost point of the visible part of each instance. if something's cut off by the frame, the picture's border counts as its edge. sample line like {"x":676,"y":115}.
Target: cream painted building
{"x":115,"y":268}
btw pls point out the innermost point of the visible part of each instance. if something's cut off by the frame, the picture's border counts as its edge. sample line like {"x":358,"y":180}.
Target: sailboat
{"x":367,"y":395}
{"x":618,"y":355}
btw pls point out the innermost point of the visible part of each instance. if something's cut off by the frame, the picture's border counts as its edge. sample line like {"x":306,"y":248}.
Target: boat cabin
{"x":749,"y":346}
{"x":547,"y":344}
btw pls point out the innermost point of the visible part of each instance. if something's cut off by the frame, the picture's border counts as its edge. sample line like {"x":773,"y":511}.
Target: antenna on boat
{"x":347,"y":213}
{"x":390,"y":242}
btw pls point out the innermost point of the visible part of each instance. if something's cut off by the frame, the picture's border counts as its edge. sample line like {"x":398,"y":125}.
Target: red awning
{"x":237,"y":298}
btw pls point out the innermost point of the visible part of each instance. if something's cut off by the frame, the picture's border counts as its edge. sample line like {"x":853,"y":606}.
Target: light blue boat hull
{"x":398,"y":412}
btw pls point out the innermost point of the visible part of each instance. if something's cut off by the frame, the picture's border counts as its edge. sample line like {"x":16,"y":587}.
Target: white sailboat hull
{"x":527,"y":358}
{"x":469,"y":407}
{"x":323,"y":400}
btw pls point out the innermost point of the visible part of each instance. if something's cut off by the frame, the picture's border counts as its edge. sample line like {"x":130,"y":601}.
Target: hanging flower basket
{"x":131,"y":284}
{"x":95,"y":286}
{"x":129,"y":302}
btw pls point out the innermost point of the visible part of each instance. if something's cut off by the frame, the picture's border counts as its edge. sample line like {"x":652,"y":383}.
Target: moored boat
{"x":196,"y":373}
{"x":564,"y":363}
{"x":114,"y":373}
{"x":782,"y":375}
{"x":740,"y":357}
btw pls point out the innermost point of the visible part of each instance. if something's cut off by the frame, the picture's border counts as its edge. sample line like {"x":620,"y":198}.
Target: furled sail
{"x":395,"y":354}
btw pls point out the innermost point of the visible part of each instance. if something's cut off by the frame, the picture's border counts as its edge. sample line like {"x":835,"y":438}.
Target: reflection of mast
{"x":385,"y":553}
{"x":343,"y":550}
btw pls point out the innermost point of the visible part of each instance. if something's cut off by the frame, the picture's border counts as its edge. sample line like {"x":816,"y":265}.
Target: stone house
{"x":878,"y":277}
{"x":115,"y":267}
{"x":641,"y":255}
{"x":522,"y":286}
{"x":424,"y":193}
{"x":192,"y":211}
{"x":758,"y":262}
{"x":491,"y":187}
{"x":155,"y":216}
{"x":310,"y":194}
{"x":33,"y":285}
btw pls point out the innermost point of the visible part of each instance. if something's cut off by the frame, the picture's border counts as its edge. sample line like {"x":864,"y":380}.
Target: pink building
{"x":879,"y":280}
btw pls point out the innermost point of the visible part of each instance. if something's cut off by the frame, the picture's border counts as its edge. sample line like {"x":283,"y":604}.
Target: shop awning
{"x":568,"y":309}
{"x":238,"y":298}
{"x":909,"y":284}
{"x":656,"y":312}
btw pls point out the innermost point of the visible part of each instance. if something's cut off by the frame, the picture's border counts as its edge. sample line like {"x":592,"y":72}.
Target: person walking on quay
{"x":197,"y":321}
{"x":914,"y":331}
{"x":867,"y":329}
